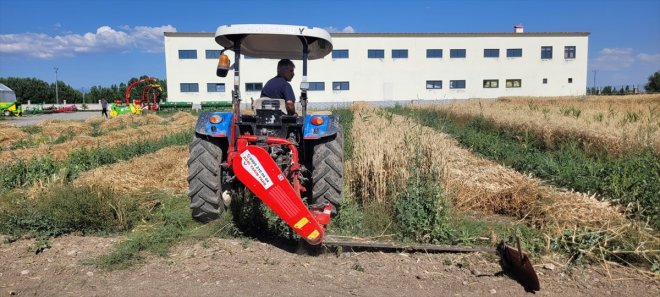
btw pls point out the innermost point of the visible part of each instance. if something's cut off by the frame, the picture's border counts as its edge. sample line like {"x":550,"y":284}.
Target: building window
{"x":212,"y":54}
{"x":213,"y":88}
{"x":189,"y":88}
{"x":514,"y":53}
{"x":187,"y":54}
{"x":513,"y":83}
{"x":569,"y":52}
{"x":491,"y":83}
{"x":546,"y":52}
{"x":399,"y":54}
{"x":434,"y":53}
{"x":340,"y":85}
{"x":570,"y":80}
{"x":545,"y":81}
{"x":375,"y":54}
{"x":253,"y":87}
{"x":340,"y":54}
{"x":457,"y":84}
{"x":316,"y":86}
{"x":434,"y":84}
{"x":457,"y":53}
{"x":491,"y":53}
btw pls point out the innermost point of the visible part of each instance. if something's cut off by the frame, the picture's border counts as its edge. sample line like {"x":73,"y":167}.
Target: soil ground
{"x":241,"y":267}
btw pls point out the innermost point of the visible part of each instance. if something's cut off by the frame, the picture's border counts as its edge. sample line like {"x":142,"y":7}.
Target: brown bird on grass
{"x":516,"y":263}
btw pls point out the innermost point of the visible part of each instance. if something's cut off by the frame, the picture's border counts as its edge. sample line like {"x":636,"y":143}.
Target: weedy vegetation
{"x":467,"y":174}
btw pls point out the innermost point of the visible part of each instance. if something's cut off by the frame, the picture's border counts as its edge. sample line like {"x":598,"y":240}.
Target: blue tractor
{"x":294,"y":164}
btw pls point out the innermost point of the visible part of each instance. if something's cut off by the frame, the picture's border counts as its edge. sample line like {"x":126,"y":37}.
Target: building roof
{"x":339,"y":35}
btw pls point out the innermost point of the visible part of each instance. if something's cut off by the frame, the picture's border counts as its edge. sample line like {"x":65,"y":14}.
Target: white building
{"x":395,"y":67}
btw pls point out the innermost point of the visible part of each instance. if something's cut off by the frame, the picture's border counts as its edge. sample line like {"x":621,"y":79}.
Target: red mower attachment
{"x":255,"y":168}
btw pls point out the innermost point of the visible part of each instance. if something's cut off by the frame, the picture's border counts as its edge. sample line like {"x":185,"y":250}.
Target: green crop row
{"x":346,"y":122}
{"x":632,"y":180}
{"x":24,"y":173}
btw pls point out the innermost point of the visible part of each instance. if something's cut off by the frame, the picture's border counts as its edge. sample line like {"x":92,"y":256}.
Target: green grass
{"x":164,"y":220}
{"x":31,"y":129}
{"x":170,"y":223}
{"x":96,"y":129}
{"x":66,"y":209}
{"x":632,"y":180}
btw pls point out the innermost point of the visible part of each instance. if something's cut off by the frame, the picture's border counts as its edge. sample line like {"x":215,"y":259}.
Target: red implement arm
{"x":255,"y":168}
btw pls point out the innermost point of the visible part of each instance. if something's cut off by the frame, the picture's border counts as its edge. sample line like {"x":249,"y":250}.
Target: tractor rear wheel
{"x":328,"y":170}
{"x":205,"y":178}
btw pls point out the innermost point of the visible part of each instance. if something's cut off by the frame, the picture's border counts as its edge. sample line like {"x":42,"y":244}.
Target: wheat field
{"x":614,"y":123}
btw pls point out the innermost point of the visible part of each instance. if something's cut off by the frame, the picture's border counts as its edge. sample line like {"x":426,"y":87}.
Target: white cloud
{"x":105,"y":39}
{"x":649,"y":58}
{"x":616,"y":59}
{"x":613,"y":59}
{"x":347,"y":29}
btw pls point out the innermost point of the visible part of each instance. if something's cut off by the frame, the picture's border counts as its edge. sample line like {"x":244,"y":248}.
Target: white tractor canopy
{"x":275,"y":41}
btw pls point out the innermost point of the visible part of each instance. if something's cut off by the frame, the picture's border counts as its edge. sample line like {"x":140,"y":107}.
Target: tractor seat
{"x":269,"y":104}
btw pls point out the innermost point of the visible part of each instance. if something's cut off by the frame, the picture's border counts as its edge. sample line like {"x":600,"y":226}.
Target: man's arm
{"x":290,"y":99}
{"x":290,"y":107}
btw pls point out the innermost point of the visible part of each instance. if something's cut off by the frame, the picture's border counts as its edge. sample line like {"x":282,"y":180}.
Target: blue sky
{"x":107,"y":42}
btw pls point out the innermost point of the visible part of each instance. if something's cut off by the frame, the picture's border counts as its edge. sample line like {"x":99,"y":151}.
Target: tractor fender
{"x":221,"y":129}
{"x":328,"y":127}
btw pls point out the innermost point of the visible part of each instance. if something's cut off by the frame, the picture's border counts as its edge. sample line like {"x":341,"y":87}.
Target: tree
{"x":40,"y":92}
{"x":654,"y":83}
{"x":35,"y":90}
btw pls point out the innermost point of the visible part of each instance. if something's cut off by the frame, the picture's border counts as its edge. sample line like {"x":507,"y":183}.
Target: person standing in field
{"x":104,"y":108}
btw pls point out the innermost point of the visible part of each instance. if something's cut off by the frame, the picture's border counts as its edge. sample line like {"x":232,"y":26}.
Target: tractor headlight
{"x":317,"y":120}
{"x":215,"y":119}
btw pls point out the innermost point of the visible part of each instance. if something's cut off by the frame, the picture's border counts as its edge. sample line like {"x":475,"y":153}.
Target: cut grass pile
{"x":44,"y":169}
{"x":116,"y":131}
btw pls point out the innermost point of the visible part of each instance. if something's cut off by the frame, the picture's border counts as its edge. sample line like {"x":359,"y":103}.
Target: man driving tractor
{"x":278,"y":87}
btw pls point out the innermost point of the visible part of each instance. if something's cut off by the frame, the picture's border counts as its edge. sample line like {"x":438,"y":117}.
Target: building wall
{"x":390,"y":79}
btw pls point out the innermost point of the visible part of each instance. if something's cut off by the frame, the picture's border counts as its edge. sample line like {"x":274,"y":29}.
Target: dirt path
{"x":31,"y":120}
{"x":249,"y":268}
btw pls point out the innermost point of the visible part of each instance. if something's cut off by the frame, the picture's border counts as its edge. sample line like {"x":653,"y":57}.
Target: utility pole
{"x":595,"y":71}
{"x":57,"y":98}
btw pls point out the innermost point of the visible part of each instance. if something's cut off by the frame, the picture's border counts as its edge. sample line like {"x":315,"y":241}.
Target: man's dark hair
{"x":284,"y":64}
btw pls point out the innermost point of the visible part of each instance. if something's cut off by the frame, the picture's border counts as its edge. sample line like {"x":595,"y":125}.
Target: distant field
{"x":612,"y":123}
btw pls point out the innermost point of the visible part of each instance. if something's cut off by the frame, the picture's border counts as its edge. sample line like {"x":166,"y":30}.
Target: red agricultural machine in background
{"x":148,"y":99}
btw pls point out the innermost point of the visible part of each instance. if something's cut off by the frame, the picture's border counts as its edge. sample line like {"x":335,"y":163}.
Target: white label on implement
{"x":252,"y":165}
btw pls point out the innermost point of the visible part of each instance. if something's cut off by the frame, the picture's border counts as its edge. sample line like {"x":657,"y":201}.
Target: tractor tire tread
{"x":204,"y":179}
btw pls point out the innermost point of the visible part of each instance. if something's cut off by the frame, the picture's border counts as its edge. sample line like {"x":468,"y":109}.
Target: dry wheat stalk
{"x":473,"y":182}
{"x":618,"y":123}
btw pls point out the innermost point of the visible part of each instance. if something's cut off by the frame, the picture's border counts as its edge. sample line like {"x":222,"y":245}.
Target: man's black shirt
{"x":278,"y":88}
